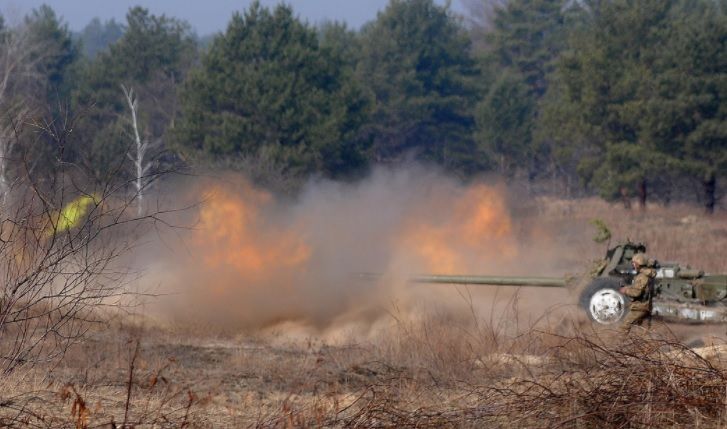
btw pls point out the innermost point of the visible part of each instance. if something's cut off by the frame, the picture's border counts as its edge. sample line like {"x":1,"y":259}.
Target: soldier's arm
{"x":637,"y":287}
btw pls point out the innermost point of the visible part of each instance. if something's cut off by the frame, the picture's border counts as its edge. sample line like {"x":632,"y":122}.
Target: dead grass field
{"x":475,"y":367}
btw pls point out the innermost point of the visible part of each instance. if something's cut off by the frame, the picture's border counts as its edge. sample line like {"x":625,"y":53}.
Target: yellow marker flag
{"x":73,"y":212}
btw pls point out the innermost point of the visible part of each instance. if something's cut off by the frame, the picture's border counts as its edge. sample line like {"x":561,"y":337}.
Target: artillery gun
{"x":679,"y":293}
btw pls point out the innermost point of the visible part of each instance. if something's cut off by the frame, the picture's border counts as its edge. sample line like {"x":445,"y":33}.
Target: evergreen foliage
{"x":417,"y":62}
{"x":267,"y":88}
{"x":98,"y":36}
{"x":622,"y":98}
{"x":638,"y":95}
{"x":37,"y":62}
{"x":58,"y":55}
{"x":152,"y":57}
{"x":606,"y":77}
{"x":686,"y":115}
{"x":525,"y":42}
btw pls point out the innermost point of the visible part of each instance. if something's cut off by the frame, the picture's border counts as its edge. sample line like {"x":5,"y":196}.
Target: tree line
{"x":620,"y":98}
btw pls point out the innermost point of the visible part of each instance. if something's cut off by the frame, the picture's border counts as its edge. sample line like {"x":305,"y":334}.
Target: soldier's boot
{"x":633,"y":318}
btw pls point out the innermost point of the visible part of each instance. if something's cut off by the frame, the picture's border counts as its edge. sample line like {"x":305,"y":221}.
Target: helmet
{"x":640,"y":260}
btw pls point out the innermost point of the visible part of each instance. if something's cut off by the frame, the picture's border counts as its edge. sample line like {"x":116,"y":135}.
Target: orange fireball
{"x":233,"y":234}
{"x":476,"y":227}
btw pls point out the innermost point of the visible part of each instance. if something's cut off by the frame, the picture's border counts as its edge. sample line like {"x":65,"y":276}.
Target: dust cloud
{"x":253,"y":261}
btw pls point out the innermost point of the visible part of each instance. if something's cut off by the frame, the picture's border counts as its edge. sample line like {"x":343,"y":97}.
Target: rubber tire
{"x":600,"y":283}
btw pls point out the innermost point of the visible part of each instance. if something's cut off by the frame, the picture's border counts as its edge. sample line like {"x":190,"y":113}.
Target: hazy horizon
{"x":206,"y":17}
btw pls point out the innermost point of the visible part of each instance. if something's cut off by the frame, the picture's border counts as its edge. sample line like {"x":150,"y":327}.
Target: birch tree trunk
{"x":142,"y":163}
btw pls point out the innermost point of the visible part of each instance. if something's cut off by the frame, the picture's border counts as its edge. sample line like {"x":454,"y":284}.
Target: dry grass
{"x":440,"y":369}
{"x":427,"y":373}
{"x":640,"y":382}
{"x":680,"y":233}
{"x":430,"y":373}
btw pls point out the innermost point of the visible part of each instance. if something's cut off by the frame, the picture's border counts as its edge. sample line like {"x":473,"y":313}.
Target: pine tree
{"x":37,"y":59}
{"x":686,"y":116}
{"x":59,"y":53}
{"x":97,"y":36}
{"x":268,"y":89}
{"x":153,"y":57}
{"x":604,"y":82}
{"x":526,"y":38}
{"x":417,"y":62}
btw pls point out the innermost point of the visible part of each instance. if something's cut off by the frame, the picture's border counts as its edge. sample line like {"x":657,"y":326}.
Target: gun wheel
{"x":603,"y":303}
{"x":607,"y":306}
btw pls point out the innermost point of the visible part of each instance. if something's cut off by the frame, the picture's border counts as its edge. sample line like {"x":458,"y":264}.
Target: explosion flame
{"x":233,"y":234}
{"x":268,"y":261}
{"x":476,"y":229}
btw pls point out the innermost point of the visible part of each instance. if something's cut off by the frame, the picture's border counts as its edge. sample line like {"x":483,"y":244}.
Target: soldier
{"x":640,"y":292}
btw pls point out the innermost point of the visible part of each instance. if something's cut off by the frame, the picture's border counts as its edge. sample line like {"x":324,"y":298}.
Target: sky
{"x":205,"y":16}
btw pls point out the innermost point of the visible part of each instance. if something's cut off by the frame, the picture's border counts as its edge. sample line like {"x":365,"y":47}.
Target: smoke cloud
{"x":253,"y":260}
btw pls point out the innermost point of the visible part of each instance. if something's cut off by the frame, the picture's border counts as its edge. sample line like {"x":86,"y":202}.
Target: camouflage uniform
{"x":640,"y":292}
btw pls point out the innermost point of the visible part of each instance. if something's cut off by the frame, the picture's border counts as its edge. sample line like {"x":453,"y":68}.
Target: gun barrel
{"x":491,"y":280}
